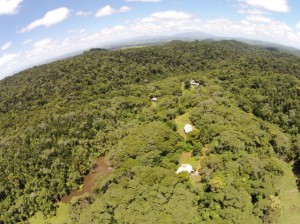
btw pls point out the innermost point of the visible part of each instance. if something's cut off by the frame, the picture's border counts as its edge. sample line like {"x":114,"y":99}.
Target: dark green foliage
{"x":55,"y":119}
{"x":187,"y":84}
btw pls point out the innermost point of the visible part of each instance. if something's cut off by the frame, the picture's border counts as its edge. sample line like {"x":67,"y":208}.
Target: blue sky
{"x":33,"y":31}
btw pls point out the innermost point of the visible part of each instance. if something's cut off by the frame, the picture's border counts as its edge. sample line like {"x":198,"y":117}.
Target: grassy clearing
{"x":290,"y":197}
{"x":153,"y":105}
{"x":186,"y":158}
{"x":184,"y":119}
{"x":180,"y":121}
{"x":61,"y":217}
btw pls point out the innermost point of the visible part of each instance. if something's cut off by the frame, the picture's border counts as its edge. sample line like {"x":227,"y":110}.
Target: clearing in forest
{"x":61,"y":217}
{"x":186,"y":158}
{"x":289,"y":197}
{"x":180,"y":121}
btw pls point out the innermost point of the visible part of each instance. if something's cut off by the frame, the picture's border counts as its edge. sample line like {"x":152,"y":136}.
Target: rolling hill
{"x":58,"y":118}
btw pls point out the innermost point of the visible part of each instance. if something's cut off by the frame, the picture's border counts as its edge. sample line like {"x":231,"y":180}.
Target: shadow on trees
{"x":296,"y":170}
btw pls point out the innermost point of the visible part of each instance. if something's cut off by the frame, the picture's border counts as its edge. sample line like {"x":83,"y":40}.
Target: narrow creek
{"x":101,"y":168}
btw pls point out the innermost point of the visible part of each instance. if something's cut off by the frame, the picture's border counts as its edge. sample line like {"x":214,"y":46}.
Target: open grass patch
{"x":187,"y":158}
{"x":289,"y":197}
{"x":61,"y":217}
{"x":153,"y":105}
{"x":180,"y":121}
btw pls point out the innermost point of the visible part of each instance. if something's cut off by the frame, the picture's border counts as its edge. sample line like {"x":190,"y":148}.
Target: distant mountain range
{"x":271,"y":46}
{"x":191,"y":36}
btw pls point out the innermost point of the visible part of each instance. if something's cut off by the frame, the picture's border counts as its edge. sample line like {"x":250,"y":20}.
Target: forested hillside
{"x":56,"y":119}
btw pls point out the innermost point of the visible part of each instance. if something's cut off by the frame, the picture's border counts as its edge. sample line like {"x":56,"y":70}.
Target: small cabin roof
{"x":185,"y":168}
{"x":188,"y":128}
{"x":193,"y":82}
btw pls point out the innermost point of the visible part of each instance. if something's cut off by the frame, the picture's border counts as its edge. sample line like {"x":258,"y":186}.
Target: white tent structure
{"x":188,"y":128}
{"x":185,"y":168}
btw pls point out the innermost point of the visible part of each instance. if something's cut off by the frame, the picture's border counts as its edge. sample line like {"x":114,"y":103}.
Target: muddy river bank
{"x":101,"y":169}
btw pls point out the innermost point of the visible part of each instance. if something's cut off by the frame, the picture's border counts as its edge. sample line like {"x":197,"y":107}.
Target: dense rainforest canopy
{"x":57,"y":118}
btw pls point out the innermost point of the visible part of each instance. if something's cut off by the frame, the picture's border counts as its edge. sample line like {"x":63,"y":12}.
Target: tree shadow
{"x":296,"y":170}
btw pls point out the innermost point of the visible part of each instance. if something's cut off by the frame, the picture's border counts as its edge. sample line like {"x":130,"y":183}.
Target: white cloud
{"x":105,"y":35}
{"x":8,"y":63}
{"x":269,"y":5}
{"x":42,"y":49}
{"x":275,"y":31}
{"x":83,"y":13}
{"x":165,"y":22}
{"x":82,"y":30}
{"x":105,"y":11}
{"x":51,"y":18}
{"x":9,"y":7}
{"x":251,"y":11}
{"x":167,"y":15}
{"x":25,"y":42}
{"x":258,"y":18}
{"x":39,"y":48}
{"x":7,"y":58}
{"x":124,"y":9}
{"x":45,"y":43}
{"x":298,"y":25}
{"x":176,"y":15}
{"x":6,"y":46}
{"x":143,"y":0}
{"x":245,"y":22}
{"x":108,"y":10}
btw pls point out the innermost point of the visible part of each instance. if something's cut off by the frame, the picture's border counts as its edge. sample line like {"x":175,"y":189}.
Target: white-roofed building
{"x":154,"y":99}
{"x":185,"y":168}
{"x":194,"y":83}
{"x":188,"y":128}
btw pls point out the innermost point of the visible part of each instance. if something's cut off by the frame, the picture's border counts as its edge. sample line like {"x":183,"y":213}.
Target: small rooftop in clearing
{"x":185,"y":168}
{"x":154,"y":99}
{"x":194,"y":83}
{"x":188,"y":128}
